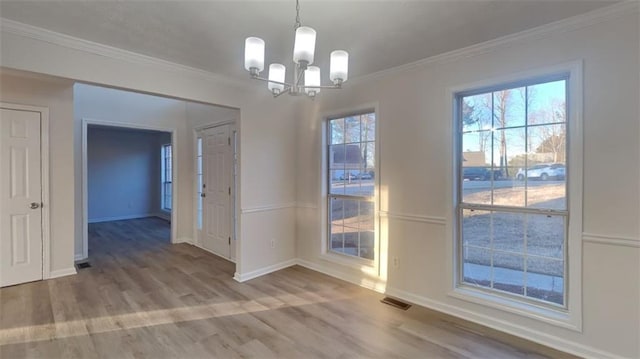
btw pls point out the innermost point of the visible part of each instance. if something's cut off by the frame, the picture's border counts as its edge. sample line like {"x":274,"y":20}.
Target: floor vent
{"x":83,"y":265}
{"x":396,"y":303}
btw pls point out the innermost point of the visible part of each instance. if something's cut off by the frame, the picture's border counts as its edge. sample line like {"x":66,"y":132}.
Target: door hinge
{"x":229,"y":191}
{"x":229,"y":140}
{"x":229,"y":240}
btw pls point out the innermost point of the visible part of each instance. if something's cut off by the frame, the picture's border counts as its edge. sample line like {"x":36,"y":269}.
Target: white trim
{"x":573,"y":266}
{"x":214,"y":124}
{"x":163,"y":214}
{"x":122,"y":218}
{"x":183,"y":240}
{"x":493,"y":322}
{"x":373,"y":283}
{"x":75,"y":43}
{"x":547,"y":30}
{"x":62,"y":272}
{"x":611,"y":240}
{"x":306,"y":205}
{"x":44,"y":180}
{"x":263,"y":271}
{"x":174,"y":152}
{"x":78,"y":257}
{"x":271,"y":207}
{"x":414,"y":218}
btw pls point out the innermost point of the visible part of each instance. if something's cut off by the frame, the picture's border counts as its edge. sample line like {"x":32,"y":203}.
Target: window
{"x":512,"y":206}
{"x":351,"y":185}
{"x":166,"y":177}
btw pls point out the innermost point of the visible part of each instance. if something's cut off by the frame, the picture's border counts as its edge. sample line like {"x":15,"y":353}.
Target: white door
{"x":217,"y":166}
{"x":20,"y":197}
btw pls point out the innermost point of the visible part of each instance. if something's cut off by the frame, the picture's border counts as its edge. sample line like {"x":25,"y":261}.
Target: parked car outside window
{"x":543,"y":172}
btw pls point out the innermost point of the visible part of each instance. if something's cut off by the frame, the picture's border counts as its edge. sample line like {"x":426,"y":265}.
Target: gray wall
{"x":123,"y":172}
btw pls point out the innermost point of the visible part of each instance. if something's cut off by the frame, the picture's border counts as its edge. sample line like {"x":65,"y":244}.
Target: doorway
{"x":24,"y":201}
{"x":215,"y":198}
{"x":127,"y":174}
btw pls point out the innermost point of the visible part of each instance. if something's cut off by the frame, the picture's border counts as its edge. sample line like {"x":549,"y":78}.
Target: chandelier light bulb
{"x":276,"y":73}
{"x":339,"y":66}
{"x":312,"y":79}
{"x":304,"y":45}
{"x":254,"y":54}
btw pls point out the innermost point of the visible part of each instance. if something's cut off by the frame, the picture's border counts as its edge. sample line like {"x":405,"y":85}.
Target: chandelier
{"x":306,"y":78}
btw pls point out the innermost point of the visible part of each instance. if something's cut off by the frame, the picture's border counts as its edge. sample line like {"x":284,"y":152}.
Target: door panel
{"x":20,"y":190}
{"x":217,"y":162}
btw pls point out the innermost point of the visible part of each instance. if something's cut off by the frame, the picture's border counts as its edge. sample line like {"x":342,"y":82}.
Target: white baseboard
{"x":503,"y":326}
{"x":377,"y":285}
{"x":164,"y":215}
{"x":183,"y":240}
{"x":121,"y":218}
{"x":243,"y":277}
{"x":62,"y":272}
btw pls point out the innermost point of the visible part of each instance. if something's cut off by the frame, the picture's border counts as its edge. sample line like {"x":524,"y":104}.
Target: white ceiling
{"x":210,"y":34}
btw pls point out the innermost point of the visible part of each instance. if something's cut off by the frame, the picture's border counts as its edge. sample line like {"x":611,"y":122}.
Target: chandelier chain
{"x":297,"y":24}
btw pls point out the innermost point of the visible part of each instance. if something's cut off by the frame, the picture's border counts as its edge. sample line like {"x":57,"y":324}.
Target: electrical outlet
{"x":273,"y":243}
{"x":396,"y":262}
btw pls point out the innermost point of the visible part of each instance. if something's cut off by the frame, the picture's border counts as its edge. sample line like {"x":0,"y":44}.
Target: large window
{"x":512,"y":205}
{"x":351,"y":185}
{"x":166,"y":177}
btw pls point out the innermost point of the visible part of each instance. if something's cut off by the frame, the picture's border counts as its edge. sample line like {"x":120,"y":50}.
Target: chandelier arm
{"x":275,"y":82}
{"x":335,"y":87}
{"x":288,"y":89}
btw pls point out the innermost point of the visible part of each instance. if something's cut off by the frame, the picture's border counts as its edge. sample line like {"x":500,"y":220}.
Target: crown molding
{"x":71,"y":42}
{"x":551,"y":29}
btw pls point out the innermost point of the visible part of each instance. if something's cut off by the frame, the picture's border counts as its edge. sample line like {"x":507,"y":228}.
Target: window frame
{"x":370,"y":267}
{"x":569,"y":316}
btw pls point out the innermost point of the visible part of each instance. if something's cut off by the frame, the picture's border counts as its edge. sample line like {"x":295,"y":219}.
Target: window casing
{"x":167,"y":175}
{"x":512,"y":186}
{"x":350,"y":174}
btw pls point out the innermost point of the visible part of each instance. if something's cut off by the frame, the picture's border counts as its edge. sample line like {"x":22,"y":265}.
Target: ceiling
{"x":209,"y":35}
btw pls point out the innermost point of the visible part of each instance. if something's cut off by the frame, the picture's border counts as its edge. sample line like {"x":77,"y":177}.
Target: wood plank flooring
{"x":146,"y":298}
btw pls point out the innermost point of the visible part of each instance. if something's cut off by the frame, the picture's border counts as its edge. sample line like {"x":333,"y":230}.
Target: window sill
{"x":556,"y":317}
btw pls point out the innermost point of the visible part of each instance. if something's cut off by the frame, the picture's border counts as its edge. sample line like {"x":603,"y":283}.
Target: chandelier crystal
{"x":306,"y":78}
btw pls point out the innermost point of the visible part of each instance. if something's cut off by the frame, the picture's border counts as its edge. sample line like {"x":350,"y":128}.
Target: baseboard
{"x":266,"y":270}
{"x":183,"y":240}
{"x":164,"y":215}
{"x":121,"y":218}
{"x":549,"y":340}
{"x":62,"y":272}
{"x":377,"y":285}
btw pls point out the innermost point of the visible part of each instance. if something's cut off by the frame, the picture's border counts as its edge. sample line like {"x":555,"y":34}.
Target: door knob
{"x":35,"y":205}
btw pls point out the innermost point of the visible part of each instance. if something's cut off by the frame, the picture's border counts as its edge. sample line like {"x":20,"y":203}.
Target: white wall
{"x":415,"y":150}
{"x":56,"y":95}
{"x":123,"y":172}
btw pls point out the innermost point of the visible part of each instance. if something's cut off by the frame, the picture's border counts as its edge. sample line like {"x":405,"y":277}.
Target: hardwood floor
{"x":146,"y":298}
